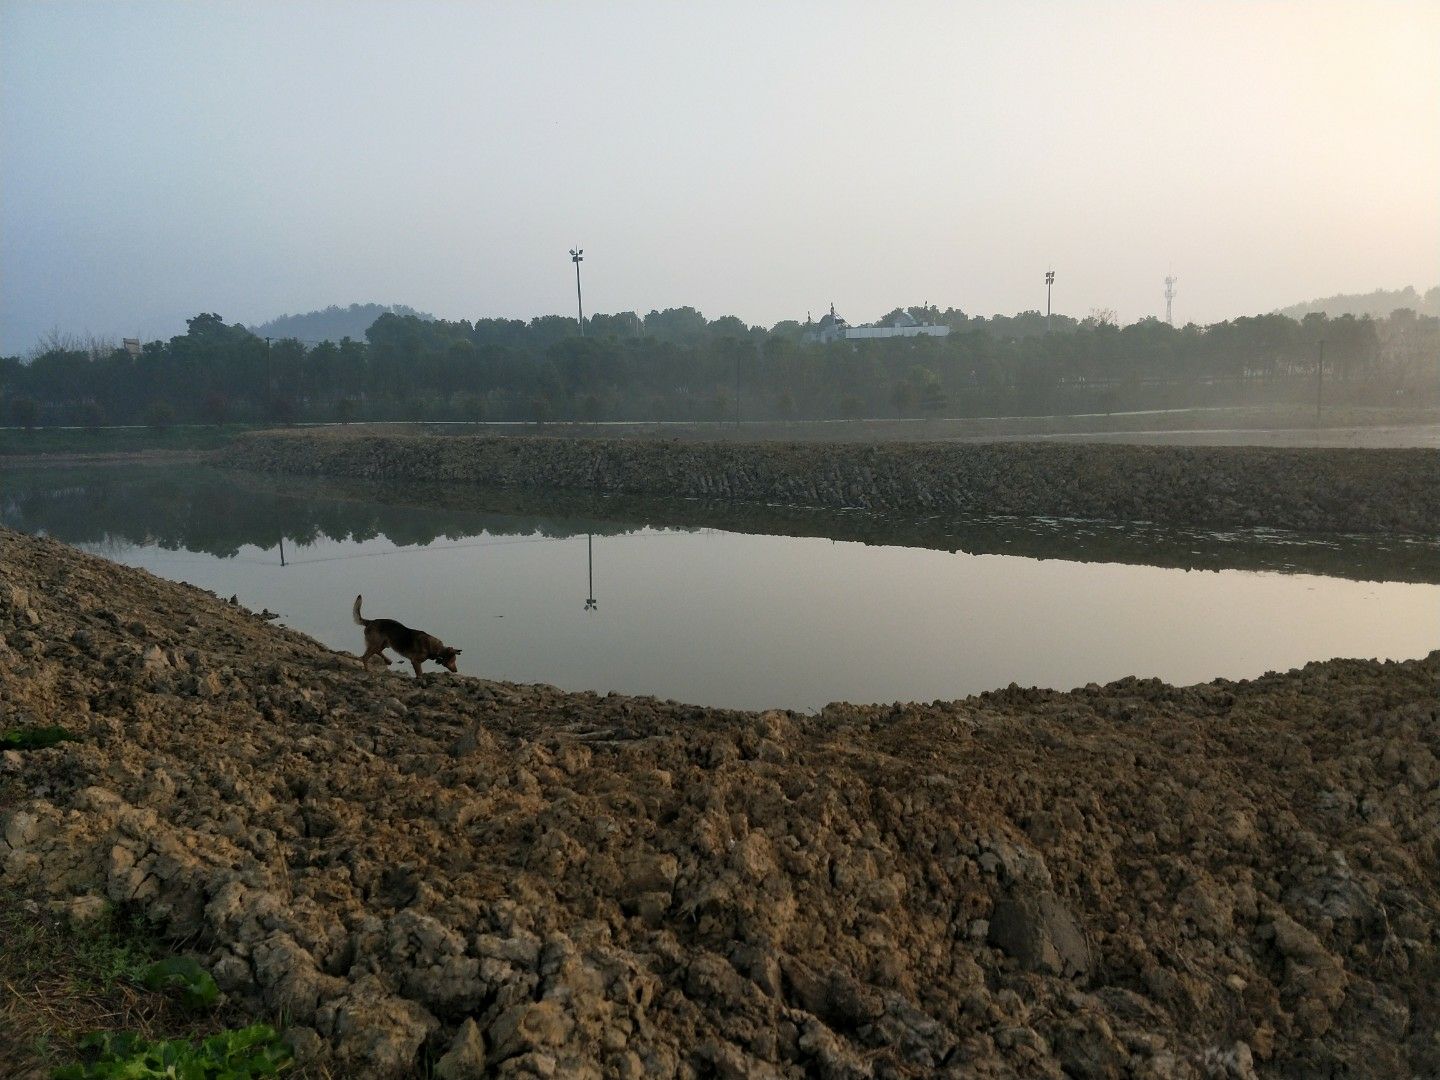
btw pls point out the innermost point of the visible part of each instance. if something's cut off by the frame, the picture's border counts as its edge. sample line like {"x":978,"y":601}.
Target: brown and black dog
{"x":415,"y":645}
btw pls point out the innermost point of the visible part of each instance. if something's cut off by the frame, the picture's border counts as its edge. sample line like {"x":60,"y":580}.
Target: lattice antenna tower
{"x":1170,"y":280}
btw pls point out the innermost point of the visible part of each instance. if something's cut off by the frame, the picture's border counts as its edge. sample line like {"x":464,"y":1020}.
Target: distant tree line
{"x":1377,"y":304}
{"x":678,"y":365}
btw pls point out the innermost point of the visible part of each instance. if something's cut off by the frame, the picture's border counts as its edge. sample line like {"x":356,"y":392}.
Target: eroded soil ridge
{"x":1317,"y":490}
{"x":1140,"y":880}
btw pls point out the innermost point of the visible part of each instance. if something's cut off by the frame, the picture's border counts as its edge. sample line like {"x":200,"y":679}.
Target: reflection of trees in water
{"x":218,"y":513}
{"x":207,"y":510}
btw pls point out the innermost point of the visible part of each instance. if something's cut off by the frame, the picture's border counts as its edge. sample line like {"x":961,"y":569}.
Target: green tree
{"x":25,"y":412}
{"x":903,"y":397}
{"x":159,"y":414}
{"x":727,"y":326}
{"x":679,"y":326}
{"x":214,"y":409}
{"x":929,"y":391}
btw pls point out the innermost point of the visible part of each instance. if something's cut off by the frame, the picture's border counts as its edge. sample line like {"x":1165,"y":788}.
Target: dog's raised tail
{"x":359,"y":619}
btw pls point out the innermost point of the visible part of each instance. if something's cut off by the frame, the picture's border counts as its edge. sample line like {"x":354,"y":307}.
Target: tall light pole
{"x":1049,"y":281}
{"x":577,"y":256}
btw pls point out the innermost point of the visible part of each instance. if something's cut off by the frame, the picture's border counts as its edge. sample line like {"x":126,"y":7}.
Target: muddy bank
{"x":1330,"y":490}
{"x":1229,"y":879}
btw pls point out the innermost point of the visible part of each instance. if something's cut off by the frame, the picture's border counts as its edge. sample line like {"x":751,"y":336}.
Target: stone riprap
{"x":1329,"y":490}
{"x":456,"y":877}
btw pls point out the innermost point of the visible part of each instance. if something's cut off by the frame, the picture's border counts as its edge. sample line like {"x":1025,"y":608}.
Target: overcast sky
{"x":757,"y":159}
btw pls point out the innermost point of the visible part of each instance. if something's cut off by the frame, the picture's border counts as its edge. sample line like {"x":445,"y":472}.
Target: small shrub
{"x":159,"y":415}
{"x":281,"y":409}
{"x":197,"y":989}
{"x":25,"y":412}
{"x":215,"y":409}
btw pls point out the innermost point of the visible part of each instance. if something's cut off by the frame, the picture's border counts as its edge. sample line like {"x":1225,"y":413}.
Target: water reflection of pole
{"x":590,"y":602}
{"x":282,"y":550}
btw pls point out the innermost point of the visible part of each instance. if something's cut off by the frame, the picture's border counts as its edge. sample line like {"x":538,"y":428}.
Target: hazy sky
{"x":756,"y":159}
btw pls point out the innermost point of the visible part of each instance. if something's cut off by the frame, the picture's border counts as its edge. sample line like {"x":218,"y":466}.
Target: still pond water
{"x":742,"y":607}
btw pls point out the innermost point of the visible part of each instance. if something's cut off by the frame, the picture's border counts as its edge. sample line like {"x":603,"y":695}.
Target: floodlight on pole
{"x":1049,"y":281}
{"x":577,"y":256}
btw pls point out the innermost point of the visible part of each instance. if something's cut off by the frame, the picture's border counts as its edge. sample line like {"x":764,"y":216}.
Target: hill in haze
{"x":1378,"y":304}
{"x":333,"y":323}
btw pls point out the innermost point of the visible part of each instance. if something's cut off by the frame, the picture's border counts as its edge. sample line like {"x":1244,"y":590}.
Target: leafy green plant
{"x":235,"y":1054}
{"x":182,"y":973}
{"x":33,"y":738}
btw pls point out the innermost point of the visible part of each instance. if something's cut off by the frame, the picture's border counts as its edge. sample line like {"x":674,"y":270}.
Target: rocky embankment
{"x":1223,"y":880}
{"x":1325,"y":490}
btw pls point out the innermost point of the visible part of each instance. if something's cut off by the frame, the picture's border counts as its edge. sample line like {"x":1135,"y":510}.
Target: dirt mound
{"x":1310,"y":490}
{"x":1131,"y":880}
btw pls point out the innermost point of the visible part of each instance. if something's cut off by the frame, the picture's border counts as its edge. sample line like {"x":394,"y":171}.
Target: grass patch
{"x":106,"y":1000}
{"x":59,"y":983}
{"x":33,"y":738}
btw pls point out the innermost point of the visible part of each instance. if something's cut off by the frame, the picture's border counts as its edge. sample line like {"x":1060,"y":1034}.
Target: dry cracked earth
{"x":482,"y":879}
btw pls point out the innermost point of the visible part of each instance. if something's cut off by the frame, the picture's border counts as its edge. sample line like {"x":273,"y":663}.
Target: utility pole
{"x":1049,"y":281}
{"x":577,"y":256}
{"x":269,"y":381}
{"x":1320,"y":380}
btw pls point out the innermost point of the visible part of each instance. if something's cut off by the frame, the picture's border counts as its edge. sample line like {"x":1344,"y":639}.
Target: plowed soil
{"x":477,"y":878}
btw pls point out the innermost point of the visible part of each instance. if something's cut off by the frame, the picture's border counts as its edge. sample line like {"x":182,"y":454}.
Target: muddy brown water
{"x":740,"y":608}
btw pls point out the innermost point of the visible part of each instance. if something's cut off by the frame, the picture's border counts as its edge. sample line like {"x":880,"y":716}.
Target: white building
{"x":833,"y":327}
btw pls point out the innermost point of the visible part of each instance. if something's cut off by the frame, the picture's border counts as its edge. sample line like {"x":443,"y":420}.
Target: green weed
{"x":182,"y":973}
{"x":33,"y":738}
{"x":235,"y":1054}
